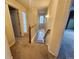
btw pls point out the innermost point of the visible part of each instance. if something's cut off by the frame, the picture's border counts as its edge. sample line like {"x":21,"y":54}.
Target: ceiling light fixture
{"x":47,"y":16}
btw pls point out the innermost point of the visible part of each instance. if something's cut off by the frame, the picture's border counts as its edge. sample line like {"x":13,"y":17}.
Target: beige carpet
{"x":23,"y":50}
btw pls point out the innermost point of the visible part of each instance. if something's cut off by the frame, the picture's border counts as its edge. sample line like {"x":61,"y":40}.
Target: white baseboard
{"x":51,"y":52}
{"x":12,"y":44}
{"x":33,"y":38}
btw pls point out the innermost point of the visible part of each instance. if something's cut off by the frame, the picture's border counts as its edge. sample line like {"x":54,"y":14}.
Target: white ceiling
{"x":35,"y":3}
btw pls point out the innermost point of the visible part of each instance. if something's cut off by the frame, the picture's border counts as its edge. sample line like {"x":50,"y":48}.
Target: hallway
{"x":40,"y":26}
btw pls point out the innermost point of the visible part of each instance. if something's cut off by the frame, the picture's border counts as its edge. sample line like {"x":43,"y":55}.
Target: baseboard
{"x":12,"y":44}
{"x":33,"y":38}
{"x":52,"y":53}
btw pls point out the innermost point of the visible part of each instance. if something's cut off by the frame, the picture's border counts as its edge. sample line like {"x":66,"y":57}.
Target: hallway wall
{"x":58,"y":13}
{"x":8,"y":54}
{"x":33,"y":20}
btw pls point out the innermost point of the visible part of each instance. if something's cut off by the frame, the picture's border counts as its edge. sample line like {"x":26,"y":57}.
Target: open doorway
{"x":41,"y":30}
{"x":15,"y":21}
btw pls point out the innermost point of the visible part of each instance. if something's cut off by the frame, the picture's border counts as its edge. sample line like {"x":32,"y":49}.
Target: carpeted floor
{"x":23,"y":50}
{"x":67,"y":46}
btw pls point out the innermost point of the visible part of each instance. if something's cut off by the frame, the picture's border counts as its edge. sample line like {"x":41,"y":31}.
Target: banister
{"x":30,"y":28}
{"x":29,"y":34}
{"x":47,"y":32}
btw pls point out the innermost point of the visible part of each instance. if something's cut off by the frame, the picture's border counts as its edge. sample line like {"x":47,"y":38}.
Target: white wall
{"x":58,"y":11}
{"x":33,"y":20}
{"x":7,"y":50}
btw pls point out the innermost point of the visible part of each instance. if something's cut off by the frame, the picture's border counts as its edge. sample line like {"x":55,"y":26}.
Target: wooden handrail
{"x":30,"y":28}
{"x":29,"y":34}
{"x":33,"y":25}
{"x":47,"y":32}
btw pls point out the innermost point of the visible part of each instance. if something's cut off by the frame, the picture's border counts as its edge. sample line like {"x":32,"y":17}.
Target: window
{"x":24,"y":21}
{"x":42,"y":19}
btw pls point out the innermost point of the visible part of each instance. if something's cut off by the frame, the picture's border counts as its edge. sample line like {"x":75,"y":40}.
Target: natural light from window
{"x":42,"y":19}
{"x":24,"y":21}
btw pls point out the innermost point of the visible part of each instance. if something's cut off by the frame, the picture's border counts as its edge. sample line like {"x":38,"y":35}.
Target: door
{"x":15,"y":21}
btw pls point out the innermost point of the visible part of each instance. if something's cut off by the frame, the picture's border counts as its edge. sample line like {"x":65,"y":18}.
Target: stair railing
{"x":46,"y":34}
